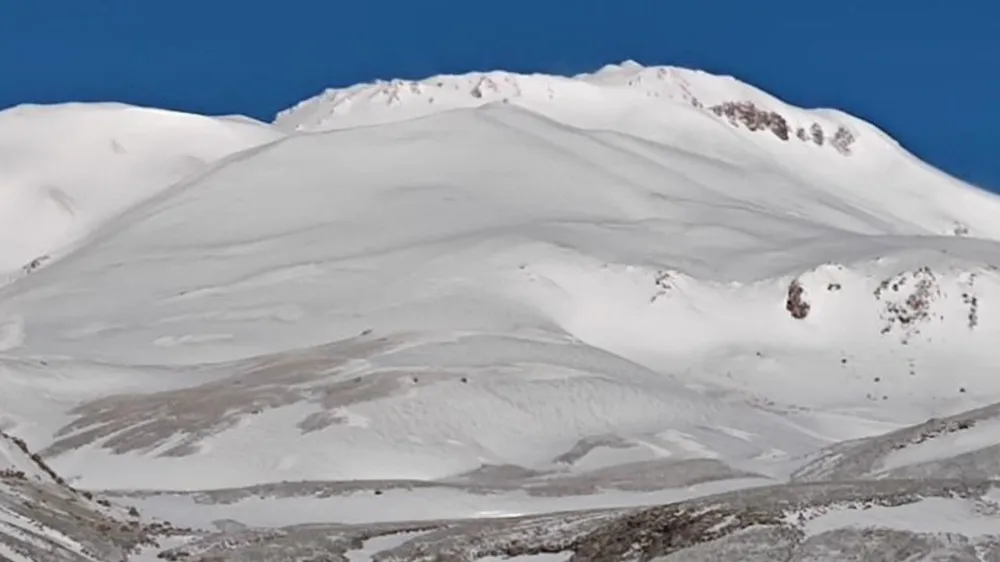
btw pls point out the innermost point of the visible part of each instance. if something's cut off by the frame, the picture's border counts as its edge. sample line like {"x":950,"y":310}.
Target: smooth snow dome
{"x":600,"y":290}
{"x":66,"y":169}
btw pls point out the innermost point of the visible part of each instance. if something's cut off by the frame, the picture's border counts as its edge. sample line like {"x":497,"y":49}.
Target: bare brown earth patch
{"x":325,"y":375}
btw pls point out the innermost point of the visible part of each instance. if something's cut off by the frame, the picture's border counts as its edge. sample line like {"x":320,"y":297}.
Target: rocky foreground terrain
{"x":933,"y":518}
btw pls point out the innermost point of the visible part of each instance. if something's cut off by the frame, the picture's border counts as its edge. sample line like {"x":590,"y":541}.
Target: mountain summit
{"x":582,"y":100}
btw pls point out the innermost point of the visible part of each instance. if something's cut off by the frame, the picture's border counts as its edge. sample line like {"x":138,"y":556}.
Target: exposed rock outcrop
{"x":756,"y":118}
{"x":795,"y":303}
{"x":753,"y":117}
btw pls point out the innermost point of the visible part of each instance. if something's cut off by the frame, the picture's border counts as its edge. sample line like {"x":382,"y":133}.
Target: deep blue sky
{"x":927,"y":71}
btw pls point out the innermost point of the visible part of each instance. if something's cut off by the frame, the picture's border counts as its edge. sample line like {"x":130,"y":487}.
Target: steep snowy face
{"x":66,"y":169}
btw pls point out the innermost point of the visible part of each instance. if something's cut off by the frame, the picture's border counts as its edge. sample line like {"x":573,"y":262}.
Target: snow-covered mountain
{"x":414,"y":307}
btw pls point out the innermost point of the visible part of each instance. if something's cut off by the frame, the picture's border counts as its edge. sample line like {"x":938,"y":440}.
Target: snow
{"x":69,"y":168}
{"x":374,"y":546}
{"x":557,"y":557}
{"x":656,"y":103}
{"x":400,"y":504}
{"x":419,"y":280}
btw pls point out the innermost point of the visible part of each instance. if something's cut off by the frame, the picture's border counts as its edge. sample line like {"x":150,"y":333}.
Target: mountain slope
{"x":559,"y":235}
{"x":68,"y":168}
{"x":606,"y":299}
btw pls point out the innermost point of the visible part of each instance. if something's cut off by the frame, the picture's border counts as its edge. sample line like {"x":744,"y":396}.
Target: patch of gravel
{"x":753,"y":544}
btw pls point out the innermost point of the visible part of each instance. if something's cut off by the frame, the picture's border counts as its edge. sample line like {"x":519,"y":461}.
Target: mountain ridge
{"x":612,"y":98}
{"x":724,"y":96}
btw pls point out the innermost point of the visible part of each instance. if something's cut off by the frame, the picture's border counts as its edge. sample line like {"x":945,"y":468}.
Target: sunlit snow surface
{"x":491,"y":298}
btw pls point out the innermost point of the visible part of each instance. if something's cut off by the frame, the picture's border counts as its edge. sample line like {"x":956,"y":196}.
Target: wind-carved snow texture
{"x":107,"y":162}
{"x":637,"y":314}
